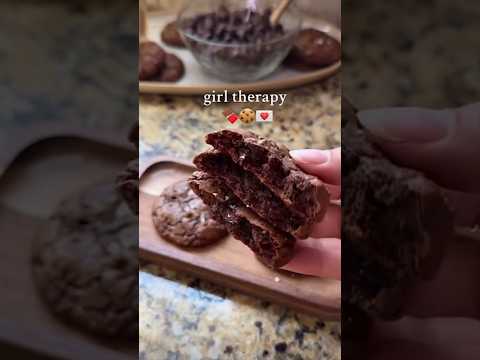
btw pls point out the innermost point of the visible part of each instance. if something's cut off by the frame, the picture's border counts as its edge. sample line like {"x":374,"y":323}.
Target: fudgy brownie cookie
{"x":272,"y":164}
{"x":313,"y":48}
{"x":171,"y":36}
{"x":253,"y":193}
{"x":392,"y":224}
{"x":172,"y":71}
{"x":85,"y":263}
{"x":128,"y":184}
{"x":273,"y":247}
{"x":151,"y":60}
{"x":182,"y":218}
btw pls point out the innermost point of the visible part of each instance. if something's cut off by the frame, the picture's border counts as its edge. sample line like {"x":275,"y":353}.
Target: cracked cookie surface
{"x":85,"y":263}
{"x":183,"y":219}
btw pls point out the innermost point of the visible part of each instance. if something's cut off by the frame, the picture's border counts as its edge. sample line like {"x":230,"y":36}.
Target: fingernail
{"x":411,"y":125}
{"x":315,"y":156}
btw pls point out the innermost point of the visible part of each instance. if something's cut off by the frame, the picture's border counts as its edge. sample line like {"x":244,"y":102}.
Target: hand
{"x":443,"y":313}
{"x":320,"y":254}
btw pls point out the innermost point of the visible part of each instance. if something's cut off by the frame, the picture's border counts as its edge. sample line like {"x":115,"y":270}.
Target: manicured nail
{"x":407,"y":125}
{"x":314,"y":156}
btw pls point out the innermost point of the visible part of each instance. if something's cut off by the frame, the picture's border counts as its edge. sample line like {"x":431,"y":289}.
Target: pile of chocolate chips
{"x":238,"y":27}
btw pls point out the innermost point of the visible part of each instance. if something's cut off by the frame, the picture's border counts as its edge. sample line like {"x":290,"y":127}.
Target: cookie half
{"x":182,"y":218}
{"x":273,"y":166}
{"x":253,"y":193}
{"x":272,"y":246}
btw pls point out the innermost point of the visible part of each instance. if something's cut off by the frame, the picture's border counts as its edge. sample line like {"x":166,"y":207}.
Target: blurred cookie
{"x":171,"y":36}
{"x":128,"y":185}
{"x":173,"y":69}
{"x":313,"y":48}
{"x":85,"y":263}
{"x":183,"y":219}
{"x":151,"y":60}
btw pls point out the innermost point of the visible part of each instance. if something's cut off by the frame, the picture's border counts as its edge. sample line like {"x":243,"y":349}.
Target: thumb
{"x":444,"y":144}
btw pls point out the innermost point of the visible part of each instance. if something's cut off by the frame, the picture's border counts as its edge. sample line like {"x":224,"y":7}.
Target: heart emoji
{"x":232,"y":118}
{"x":264,"y":115}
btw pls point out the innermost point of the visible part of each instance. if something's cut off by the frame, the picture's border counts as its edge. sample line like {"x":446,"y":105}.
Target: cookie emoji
{"x":247,"y":116}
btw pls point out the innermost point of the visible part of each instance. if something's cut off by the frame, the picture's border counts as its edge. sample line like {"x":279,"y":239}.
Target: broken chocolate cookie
{"x":392,"y":224}
{"x":273,"y":247}
{"x":272,"y":164}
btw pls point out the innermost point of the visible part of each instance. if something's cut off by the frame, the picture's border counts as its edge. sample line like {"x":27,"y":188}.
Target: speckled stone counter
{"x":182,"y":317}
{"x":410,"y":53}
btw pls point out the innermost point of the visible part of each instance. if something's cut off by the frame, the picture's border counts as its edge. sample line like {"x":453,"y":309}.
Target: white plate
{"x":196,"y":81}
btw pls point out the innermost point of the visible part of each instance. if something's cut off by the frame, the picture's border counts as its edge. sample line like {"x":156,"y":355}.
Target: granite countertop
{"x":432,"y":62}
{"x":182,"y":317}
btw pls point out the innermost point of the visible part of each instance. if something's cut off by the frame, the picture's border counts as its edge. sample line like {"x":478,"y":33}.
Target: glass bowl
{"x":237,"y":61}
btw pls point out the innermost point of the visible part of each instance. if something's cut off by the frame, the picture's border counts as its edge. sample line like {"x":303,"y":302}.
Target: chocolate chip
{"x":281,"y":347}
{"x":242,"y":26}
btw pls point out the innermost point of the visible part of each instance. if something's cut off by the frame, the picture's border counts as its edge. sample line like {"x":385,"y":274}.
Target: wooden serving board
{"x":16,"y":139}
{"x":228,"y":262}
{"x":25,"y":320}
{"x":196,"y":81}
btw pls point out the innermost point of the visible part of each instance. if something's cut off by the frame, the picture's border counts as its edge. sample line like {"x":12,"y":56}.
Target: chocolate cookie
{"x":183,"y":219}
{"x":171,"y":36}
{"x":151,"y":60}
{"x":303,"y":194}
{"x":252,"y":192}
{"x":128,"y":184}
{"x":85,"y":263}
{"x":312,"y":49}
{"x":173,"y":69}
{"x":273,"y":247}
{"x":392,"y":224}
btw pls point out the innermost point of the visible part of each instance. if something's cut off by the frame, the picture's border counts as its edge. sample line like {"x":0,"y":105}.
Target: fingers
{"x":317,"y":257}
{"x":330,"y":224}
{"x":438,"y":338}
{"x":325,"y":164}
{"x":414,"y":350}
{"x":454,"y":292}
{"x":442,"y":143}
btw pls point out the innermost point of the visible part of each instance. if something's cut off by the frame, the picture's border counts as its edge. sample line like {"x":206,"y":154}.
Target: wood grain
{"x":229,"y":262}
{"x":17,"y":139}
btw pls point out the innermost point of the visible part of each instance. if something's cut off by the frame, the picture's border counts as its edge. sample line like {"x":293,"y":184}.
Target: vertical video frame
{"x":239,"y":179}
